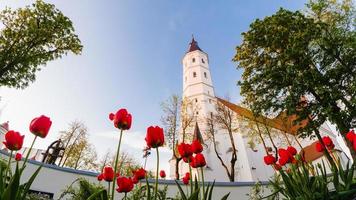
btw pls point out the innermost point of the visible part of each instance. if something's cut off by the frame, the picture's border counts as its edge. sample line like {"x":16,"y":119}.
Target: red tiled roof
{"x":193,"y":46}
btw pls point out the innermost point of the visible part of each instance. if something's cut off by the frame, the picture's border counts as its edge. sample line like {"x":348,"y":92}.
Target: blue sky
{"x":132,"y":59}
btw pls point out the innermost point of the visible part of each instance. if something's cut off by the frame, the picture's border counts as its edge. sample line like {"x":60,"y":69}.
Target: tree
{"x":170,"y":121}
{"x":224,"y":120}
{"x":31,"y":37}
{"x":78,"y":152}
{"x":178,"y":117}
{"x":304,"y":64}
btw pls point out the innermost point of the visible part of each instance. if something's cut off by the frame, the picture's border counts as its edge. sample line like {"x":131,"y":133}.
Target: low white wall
{"x":53,"y":179}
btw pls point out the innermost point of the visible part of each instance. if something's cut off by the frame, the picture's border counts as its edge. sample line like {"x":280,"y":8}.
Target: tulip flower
{"x":277,"y":167}
{"x":199,"y":160}
{"x":187,"y":159}
{"x":269,"y":159}
{"x":135,"y":180}
{"x":122,"y":119}
{"x":140,"y":173}
{"x":13,"y":140}
{"x":18,"y":156}
{"x":185,"y":150}
{"x":350,"y":136}
{"x":185,"y":180}
{"x":154,"y":137}
{"x":327,"y":141}
{"x":292,"y":150}
{"x":162,"y":174}
{"x":124,"y":185}
{"x":108,"y":173}
{"x":283,"y":160}
{"x":100,"y":177}
{"x":196,"y":146}
{"x":40,"y":126}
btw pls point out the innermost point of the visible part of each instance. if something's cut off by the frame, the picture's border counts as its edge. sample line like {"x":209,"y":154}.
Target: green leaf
{"x":101,"y":193}
{"x":29,"y":183}
{"x":183,"y":196}
{"x":12,"y":189}
{"x":226,"y":196}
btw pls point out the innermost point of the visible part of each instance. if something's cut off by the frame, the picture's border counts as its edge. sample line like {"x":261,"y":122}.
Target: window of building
{"x":202,"y":60}
{"x":194,"y":74}
{"x":197,"y":113}
{"x":205,"y":75}
{"x":211,"y":115}
{"x":209,"y":100}
{"x":193,"y":60}
{"x":196,"y":100}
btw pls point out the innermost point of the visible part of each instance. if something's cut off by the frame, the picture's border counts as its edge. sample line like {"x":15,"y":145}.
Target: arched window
{"x":205,"y":75}
{"x":193,"y":60}
{"x":194,"y":74}
{"x":202,"y":60}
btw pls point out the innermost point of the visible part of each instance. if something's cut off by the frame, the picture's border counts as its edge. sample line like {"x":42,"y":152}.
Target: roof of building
{"x":282,"y":122}
{"x":197,"y":134}
{"x":193,"y":46}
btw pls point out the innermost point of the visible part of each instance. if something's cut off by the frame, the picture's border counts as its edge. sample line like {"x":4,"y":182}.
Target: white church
{"x":198,"y":88}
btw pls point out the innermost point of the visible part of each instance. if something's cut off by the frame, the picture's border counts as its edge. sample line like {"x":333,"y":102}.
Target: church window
{"x":209,"y":100}
{"x":193,"y":60}
{"x":202,"y":60}
{"x":196,"y":100}
{"x":205,"y":75}
{"x":194,"y":74}
{"x":197,"y":113}
{"x":211,"y":115}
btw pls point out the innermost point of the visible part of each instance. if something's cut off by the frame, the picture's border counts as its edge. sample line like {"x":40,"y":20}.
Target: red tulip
{"x":140,"y":173}
{"x":197,"y":147}
{"x":350,"y":136}
{"x":185,"y":180}
{"x":327,"y":141}
{"x":284,"y":153}
{"x":283,"y":160}
{"x":18,"y":156}
{"x":13,"y":140}
{"x":122,"y":119}
{"x":154,"y":137}
{"x":100,"y":177}
{"x":185,"y":150}
{"x":319,"y":147}
{"x":292,"y":150}
{"x":199,"y":160}
{"x":108,"y":173}
{"x":124,"y":184}
{"x":269,"y":159}
{"x":40,"y":126}
{"x":162,"y":174}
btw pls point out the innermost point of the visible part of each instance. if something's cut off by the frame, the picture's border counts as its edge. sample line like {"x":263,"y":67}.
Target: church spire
{"x":197,"y":135}
{"x":193,"y":45}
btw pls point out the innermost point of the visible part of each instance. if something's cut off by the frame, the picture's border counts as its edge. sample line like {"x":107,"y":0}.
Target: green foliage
{"x":84,"y":190}
{"x":292,"y":54}
{"x":31,"y":37}
{"x":195,"y":193}
{"x":300,"y":183}
{"x":10,"y":187}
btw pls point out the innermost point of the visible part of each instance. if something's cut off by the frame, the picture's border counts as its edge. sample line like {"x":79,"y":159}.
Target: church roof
{"x":193,"y":46}
{"x":197,"y":135}
{"x":282,"y":122}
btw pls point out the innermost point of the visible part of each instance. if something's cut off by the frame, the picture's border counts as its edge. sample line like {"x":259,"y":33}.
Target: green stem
{"x":157,"y":169}
{"x":125,"y":195}
{"x":8,"y":164}
{"x":28,"y":153}
{"x":108,"y":188}
{"x":190,"y":177}
{"x":115,"y":169}
{"x":202,"y":177}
